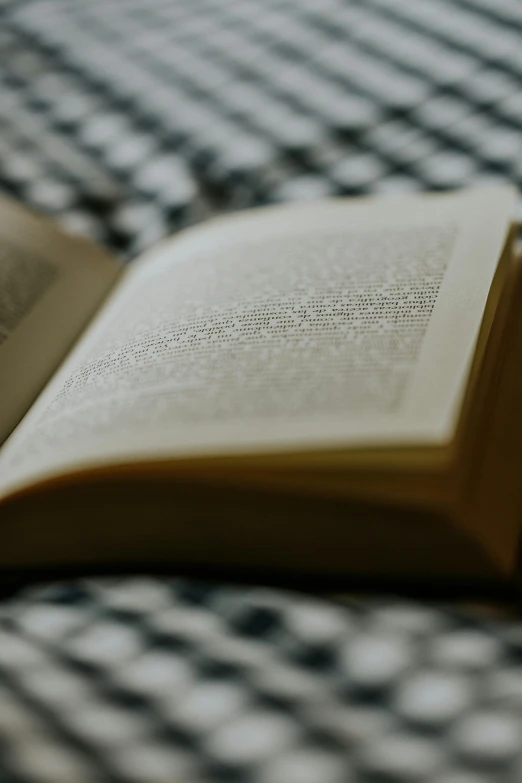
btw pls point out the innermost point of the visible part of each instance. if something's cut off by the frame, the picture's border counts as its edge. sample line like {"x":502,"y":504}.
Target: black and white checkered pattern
{"x":131,"y":118}
{"x":152,"y":681}
{"x":127,"y":120}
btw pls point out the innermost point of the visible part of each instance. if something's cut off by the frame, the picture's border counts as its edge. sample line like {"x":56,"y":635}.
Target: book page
{"x":338,"y":325}
{"x":50,"y":286}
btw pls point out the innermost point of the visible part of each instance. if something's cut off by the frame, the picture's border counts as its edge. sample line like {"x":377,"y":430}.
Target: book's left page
{"x":51,"y":285}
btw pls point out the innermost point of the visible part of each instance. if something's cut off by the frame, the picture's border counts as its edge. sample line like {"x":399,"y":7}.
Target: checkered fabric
{"x":128,"y":120}
{"x":156,"y":681}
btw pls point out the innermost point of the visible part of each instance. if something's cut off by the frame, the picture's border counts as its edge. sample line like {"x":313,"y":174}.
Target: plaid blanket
{"x":128,"y":120}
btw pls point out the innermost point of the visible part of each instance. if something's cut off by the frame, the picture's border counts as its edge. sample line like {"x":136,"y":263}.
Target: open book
{"x":330,"y":388}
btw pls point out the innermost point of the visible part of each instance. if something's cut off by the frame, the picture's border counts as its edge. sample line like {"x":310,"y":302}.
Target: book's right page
{"x":340,"y":325}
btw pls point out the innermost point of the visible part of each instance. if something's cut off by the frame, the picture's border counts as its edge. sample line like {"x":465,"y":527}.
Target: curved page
{"x":337,"y":325}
